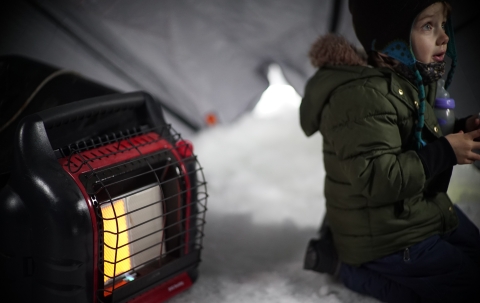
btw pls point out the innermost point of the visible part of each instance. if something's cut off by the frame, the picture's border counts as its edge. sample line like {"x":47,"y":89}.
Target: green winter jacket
{"x":378,"y":199}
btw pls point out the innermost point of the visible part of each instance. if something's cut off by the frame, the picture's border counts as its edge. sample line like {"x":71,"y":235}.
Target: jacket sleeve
{"x":436,"y":157}
{"x":361,"y":125}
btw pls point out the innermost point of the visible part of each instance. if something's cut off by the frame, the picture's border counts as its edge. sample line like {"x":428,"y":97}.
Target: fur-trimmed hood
{"x":339,"y":63}
{"x":331,"y":49}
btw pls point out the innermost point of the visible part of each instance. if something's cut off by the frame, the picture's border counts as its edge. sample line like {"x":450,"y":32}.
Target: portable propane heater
{"x":106,"y":203}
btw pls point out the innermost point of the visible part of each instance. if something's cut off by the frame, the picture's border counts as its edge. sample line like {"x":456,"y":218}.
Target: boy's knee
{"x":367,"y":282}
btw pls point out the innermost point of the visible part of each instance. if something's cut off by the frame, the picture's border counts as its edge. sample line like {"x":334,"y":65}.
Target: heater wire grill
{"x":141,"y":178}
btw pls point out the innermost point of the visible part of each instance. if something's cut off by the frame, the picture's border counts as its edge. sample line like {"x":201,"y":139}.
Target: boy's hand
{"x":473,"y":123}
{"x":463,"y":145}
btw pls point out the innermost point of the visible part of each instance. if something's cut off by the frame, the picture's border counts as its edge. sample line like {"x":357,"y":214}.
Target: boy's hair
{"x":447,"y":8}
{"x":377,"y":59}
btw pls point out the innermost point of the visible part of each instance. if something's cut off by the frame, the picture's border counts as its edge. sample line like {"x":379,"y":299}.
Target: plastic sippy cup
{"x":443,"y":108}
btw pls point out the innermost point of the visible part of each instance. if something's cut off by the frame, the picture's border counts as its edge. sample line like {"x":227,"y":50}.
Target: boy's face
{"x":429,"y":41}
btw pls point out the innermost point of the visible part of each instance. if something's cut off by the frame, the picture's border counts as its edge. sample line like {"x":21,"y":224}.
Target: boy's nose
{"x":442,"y":39}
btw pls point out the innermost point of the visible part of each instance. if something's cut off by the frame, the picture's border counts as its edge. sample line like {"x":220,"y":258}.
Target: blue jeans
{"x":438,"y":269}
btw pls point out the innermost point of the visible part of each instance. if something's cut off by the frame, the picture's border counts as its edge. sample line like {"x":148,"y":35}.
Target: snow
{"x":265,"y":185}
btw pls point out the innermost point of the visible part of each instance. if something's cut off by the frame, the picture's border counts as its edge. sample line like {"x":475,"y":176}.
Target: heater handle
{"x":104,"y":105}
{"x":90,"y":118}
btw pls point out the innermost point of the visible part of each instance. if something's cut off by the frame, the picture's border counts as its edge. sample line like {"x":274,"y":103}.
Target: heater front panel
{"x":139,"y":193}
{"x":146,"y":222}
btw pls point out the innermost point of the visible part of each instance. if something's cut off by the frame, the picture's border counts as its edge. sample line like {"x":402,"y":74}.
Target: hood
{"x":335,"y":50}
{"x":385,"y":26}
{"x":339,"y":63}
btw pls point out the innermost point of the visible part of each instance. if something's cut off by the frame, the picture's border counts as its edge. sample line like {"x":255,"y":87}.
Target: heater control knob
{"x":184,"y":148}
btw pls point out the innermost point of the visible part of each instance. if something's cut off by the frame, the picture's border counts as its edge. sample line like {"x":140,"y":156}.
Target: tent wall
{"x":199,"y":57}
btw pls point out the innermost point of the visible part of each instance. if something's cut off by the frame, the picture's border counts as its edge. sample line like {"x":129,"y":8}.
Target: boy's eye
{"x":443,"y":25}
{"x":427,"y":27}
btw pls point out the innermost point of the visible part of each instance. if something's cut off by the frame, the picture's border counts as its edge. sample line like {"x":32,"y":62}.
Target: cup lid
{"x":445,"y":103}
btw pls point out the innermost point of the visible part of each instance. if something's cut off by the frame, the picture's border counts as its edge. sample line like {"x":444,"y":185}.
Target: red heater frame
{"x":78,"y":159}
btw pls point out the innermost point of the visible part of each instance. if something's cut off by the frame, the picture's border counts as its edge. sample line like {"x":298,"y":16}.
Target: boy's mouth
{"x":439,"y":57}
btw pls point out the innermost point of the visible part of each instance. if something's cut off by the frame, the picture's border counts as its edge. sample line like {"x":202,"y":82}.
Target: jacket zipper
{"x":406,"y":255}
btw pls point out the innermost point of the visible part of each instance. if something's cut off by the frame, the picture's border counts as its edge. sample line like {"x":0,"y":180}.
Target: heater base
{"x":165,"y":290}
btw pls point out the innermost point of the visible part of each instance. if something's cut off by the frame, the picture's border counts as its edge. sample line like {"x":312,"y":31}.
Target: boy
{"x":398,"y":235}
